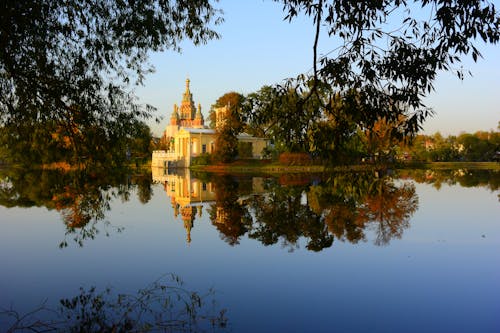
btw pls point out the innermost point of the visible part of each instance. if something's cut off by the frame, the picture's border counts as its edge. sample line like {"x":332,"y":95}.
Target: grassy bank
{"x":454,"y":165}
{"x":276,"y":168}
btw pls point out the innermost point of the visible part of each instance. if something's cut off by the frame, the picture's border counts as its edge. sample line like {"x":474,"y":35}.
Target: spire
{"x":188,"y":225}
{"x":198,"y":112}
{"x":188,"y":216}
{"x":187,"y":93}
{"x":175,"y":114}
{"x":174,"y":118}
{"x":176,"y":210}
{"x":198,"y":121}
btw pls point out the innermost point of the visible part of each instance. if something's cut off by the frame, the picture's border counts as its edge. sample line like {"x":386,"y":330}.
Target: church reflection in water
{"x":190,"y":195}
{"x":313,"y":210}
{"x":187,"y":195}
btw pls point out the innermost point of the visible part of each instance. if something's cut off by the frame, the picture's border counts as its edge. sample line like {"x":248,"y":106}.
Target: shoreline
{"x":274,"y":169}
{"x":279,"y":169}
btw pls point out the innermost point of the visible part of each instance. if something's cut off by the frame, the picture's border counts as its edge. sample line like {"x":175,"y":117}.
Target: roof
{"x":199,"y":130}
{"x":246,"y":136}
{"x":241,"y":136}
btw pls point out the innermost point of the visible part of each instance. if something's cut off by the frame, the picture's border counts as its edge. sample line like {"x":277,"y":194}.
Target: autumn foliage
{"x":288,"y":158}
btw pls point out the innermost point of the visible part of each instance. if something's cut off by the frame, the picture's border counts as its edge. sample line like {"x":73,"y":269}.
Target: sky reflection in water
{"x":440,"y":275}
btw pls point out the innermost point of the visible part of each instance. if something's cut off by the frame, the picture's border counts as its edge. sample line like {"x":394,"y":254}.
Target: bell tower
{"x":184,"y":115}
{"x":187,"y":109}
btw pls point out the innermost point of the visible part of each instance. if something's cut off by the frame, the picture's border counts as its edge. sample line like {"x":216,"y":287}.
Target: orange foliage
{"x":295,"y":159}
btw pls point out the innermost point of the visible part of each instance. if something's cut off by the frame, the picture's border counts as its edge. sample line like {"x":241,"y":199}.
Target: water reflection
{"x":343,"y":206}
{"x":327,"y":213}
{"x":464,"y":177}
{"x":317,"y":208}
{"x":81,"y":197}
{"x":187,"y":195}
{"x":223,"y":196}
{"x":163,"y":306}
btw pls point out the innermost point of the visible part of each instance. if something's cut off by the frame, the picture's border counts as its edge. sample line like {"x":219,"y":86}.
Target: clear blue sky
{"x":258,"y":48}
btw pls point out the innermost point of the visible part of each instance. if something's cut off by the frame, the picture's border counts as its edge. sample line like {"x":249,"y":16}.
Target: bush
{"x":202,"y":159}
{"x":245,"y":150}
{"x":295,"y":159}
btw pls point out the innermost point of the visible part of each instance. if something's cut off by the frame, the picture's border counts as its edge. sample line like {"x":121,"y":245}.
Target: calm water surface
{"x":401,"y":252}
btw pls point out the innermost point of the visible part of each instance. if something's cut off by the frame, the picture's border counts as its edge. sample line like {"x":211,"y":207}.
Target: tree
{"x":389,"y":52}
{"x":475,"y":148}
{"x":140,"y":141}
{"x":293,"y":118}
{"x":270,"y":112}
{"x":226,"y":141}
{"x":335,"y":135}
{"x":72,"y":63}
{"x":381,"y":141}
{"x":258,"y":108}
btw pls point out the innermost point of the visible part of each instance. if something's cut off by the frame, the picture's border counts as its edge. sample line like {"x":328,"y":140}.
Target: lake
{"x":379,"y":251}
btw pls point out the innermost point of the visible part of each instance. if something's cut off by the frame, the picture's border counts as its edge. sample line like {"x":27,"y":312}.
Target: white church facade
{"x":189,"y":137}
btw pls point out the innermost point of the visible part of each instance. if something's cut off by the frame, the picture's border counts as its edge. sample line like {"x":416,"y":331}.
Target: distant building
{"x":189,"y":137}
{"x":428,"y":145}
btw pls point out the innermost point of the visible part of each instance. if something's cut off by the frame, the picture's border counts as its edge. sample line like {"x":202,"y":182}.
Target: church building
{"x":189,"y":137}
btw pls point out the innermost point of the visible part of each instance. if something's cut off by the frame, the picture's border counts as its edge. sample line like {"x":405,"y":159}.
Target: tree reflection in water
{"x":229,"y":214}
{"x":464,"y":177}
{"x":81,"y":197}
{"x":319,"y":209}
{"x":339,"y":206}
{"x":283,"y":214}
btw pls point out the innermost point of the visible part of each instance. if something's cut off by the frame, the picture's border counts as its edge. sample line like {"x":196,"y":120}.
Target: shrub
{"x":202,"y":159}
{"x":295,"y":158}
